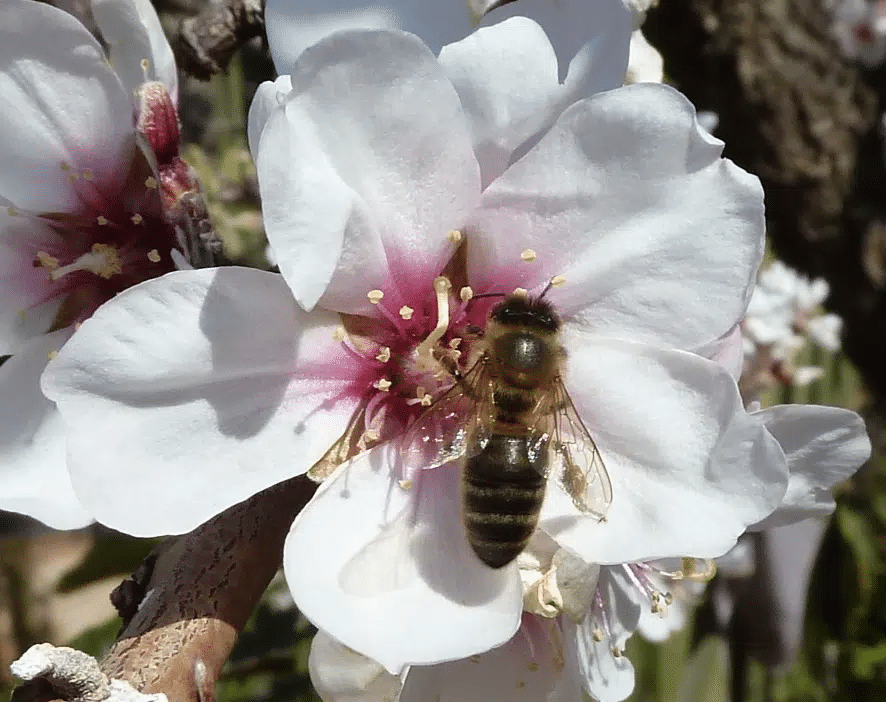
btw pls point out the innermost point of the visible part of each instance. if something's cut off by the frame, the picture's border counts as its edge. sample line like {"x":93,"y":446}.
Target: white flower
{"x":644,"y":61}
{"x":207,"y":386}
{"x":859,"y":28}
{"x":81,"y":217}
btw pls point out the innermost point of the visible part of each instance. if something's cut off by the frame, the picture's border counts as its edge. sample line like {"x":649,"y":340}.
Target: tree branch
{"x":199,"y":593}
{"x":206,"y":43}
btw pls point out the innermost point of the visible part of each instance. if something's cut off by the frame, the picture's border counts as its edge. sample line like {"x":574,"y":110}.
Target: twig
{"x":206,"y":43}
{"x":199,"y":594}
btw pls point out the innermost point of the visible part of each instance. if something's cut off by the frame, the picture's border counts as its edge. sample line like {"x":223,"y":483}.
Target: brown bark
{"x":200,"y":592}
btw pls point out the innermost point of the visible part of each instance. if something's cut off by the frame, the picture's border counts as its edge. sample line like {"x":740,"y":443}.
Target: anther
{"x":384,"y":354}
{"x":597,"y":634}
{"x":557,"y":281}
{"x":339,"y":335}
{"x":528,"y":255}
{"x":89,"y":174}
{"x":405,"y":484}
{"x":136,"y":218}
{"x":521,"y":292}
{"x":65,"y":166}
{"x":52,"y":354}
{"x":46,"y":261}
{"x":371,"y":436}
{"x":617,"y":652}
{"x":12,"y":211}
{"x":382,"y":384}
{"x":425,"y":400}
{"x":454,"y":236}
{"x":151,"y":182}
{"x":454,"y":342}
{"x":102,"y":221}
{"x":406,"y":312}
{"x":466,"y":293}
{"x":153,"y":256}
{"x":375,"y":296}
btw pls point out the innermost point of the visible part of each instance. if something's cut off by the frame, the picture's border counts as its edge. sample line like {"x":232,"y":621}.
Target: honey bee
{"x":521,"y":429}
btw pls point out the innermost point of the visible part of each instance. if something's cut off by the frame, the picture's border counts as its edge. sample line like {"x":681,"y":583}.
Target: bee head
{"x":531,"y":312}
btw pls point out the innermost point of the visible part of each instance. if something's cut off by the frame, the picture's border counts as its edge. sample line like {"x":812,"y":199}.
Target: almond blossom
{"x":207,"y":386}
{"x":82,"y":213}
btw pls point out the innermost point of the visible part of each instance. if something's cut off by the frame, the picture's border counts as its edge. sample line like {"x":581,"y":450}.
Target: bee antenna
{"x":497,"y":294}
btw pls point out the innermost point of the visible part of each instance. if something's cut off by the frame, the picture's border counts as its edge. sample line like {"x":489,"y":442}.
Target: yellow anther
{"x":102,"y":221}
{"x":46,"y":261}
{"x":384,"y":354}
{"x":375,"y":296}
{"x":406,"y":312}
{"x":12,"y":211}
{"x":89,"y":174}
{"x":454,"y":342}
{"x":454,"y":236}
{"x":617,"y":652}
{"x":151,"y":182}
{"x":339,"y":334}
{"x":382,"y":384}
{"x":597,"y":634}
{"x":521,"y":292}
{"x":154,"y":256}
{"x":371,"y":435}
{"x":52,"y":354}
{"x":532,"y":666}
{"x":405,"y":484}
{"x":65,"y":166}
{"x":466,"y":293}
{"x":528,"y":255}
{"x":557,"y":281}
{"x":136,"y":218}
{"x":426,"y":400}
{"x":73,"y":177}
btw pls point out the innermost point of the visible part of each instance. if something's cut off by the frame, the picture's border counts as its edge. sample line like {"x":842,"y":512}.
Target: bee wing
{"x":463,"y":412}
{"x":574,"y":460}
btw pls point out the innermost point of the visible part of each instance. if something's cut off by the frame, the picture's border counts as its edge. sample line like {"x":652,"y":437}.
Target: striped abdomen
{"x":502,"y":491}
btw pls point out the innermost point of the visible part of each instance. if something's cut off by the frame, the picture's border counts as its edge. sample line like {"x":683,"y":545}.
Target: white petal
{"x":690,"y":470}
{"x":62,"y":104}
{"x":133,"y":33}
{"x":294,"y":26}
{"x":644,"y":61}
{"x":507,"y":77}
{"x":400,"y":583}
{"x":33,"y":476}
{"x":269,"y":96}
{"x":607,"y":677}
{"x":191,"y":392}
{"x":727,"y":352}
{"x":338,"y":674}
{"x":357,"y":198}
{"x":514,"y":672}
{"x":823,"y":446}
{"x":657,"y":236}
{"x":24,"y":310}
{"x":590,"y":39}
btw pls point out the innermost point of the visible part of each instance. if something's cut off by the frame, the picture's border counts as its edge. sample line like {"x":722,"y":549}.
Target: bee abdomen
{"x":502,"y":494}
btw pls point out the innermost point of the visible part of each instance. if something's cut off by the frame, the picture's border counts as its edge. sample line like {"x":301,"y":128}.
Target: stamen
{"x":12,"y":211}
{"x":466,"y":293}
{"x":384,"y":354}
{"x":145,"y":64}
{"x":441,"y":290}
{"x":151,"y":183}
{"x":454,"y":236}
{"x":375,"y":296}
{"x":65,"y":166}
{"x":339,"y":334}
{"x":102,"y":260}
{"x":102,"y":221}
{"x":528,"y":255}
{"x":521,"y":292}
{"x":597,"y":634}
{"x":382,"y":384}
{"x":153,"y":256}
{"x":557,"y":281}
{"x":89,"y":174}
{"x":46,"y":261}
{"x":136,"y":218}
{"x":405,"y":484}
{"x":454,"y":342}
{"x":406,"y":312}
{"x":52,"y":354}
